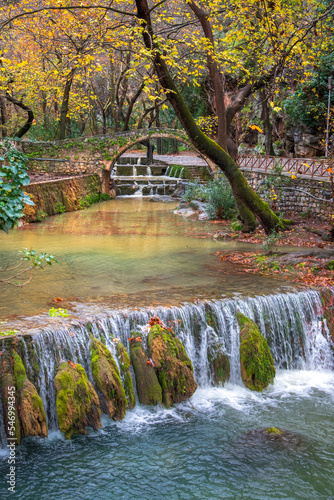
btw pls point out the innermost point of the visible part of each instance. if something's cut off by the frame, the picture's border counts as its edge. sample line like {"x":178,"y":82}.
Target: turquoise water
{"x":121,"y":248}
{"x":198,"y":450}
{"x":142,"y":253}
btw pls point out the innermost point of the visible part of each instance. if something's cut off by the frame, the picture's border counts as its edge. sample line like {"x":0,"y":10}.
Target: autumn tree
{"x":252,"y":42}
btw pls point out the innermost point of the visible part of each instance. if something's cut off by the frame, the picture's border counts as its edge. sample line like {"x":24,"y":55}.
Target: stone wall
{"x":300,"y":196}
{"x":48,"y":196}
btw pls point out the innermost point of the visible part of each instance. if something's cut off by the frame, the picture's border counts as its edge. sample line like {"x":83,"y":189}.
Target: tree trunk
{"x":64,"y":105}
{"x":224,"y":140}
{"x":104,"y":121}
{"x":240,"y":187}
{"x":130,"y":107}
{"x":3,"y":117}
{"x":267,"y":125}
{"x":23,"y":130}
{"x":215,"y":74}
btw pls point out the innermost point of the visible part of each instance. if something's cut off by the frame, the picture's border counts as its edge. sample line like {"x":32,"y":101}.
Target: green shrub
{"x":195,"y":191}
{"x":41,"y":215}
{"x":13,"y":178}
{"x":236,"y":226}
{"x":220,"y":204}
{"x":92,"y":198}
{"x":60,"y":208}
{"x":271,"y":241}
{"x":217,"y":194}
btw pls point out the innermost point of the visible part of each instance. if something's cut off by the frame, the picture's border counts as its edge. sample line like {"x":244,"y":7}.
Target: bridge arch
{"x":129,"y":141}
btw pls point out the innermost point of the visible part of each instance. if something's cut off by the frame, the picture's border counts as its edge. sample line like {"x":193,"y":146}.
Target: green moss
{"x":124,"y":364}
{"x":330,"y":265}
{"x":273,"y":430}
{"x":148,"y":387}
{"x":19,"y":371}
{"x":107,"y":379}
{"x":172,"y":364}
{"x":256,"y":361}
{"x":38,"y":404}
{"x":77,"y":403}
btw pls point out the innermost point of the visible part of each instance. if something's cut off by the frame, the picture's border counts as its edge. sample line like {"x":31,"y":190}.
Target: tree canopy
{"x":75,"y":65}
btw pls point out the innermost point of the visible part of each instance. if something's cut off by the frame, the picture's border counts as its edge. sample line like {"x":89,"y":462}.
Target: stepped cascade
{"x":132,"y":176}
{"x":294,"y":325}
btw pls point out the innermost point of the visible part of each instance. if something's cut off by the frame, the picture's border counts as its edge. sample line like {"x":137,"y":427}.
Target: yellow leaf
{"x":255,"y":127}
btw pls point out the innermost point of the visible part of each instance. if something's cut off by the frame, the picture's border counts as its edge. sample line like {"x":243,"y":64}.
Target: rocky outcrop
{"x":30,"y":417}
{"x":77,"y":402}
{"x":256,"y":361}
{"x":124,"y":366}
{"x":148,"y":387}
{"x":218,"y":361}
{"x":108,"y":382}
{"x":172,"y":365}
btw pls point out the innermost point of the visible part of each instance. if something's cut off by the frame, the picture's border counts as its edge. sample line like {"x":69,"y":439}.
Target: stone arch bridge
{"x":96,"y":154}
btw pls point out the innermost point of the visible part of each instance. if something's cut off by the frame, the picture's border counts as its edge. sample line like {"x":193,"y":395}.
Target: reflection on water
{"x":125,"y":248}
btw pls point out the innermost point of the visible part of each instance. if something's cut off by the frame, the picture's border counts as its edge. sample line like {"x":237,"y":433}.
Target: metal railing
{"x":293,"y":166}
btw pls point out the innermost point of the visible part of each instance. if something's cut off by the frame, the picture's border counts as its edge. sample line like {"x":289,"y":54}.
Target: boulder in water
{"x":77,"y":403}
{"x":148,"y":387}
{"x":256,"y":361}
{"x":279,"y":438}
{"x":172,"y":364}
{"x":124,"y":366}
{"x":108,"y":382}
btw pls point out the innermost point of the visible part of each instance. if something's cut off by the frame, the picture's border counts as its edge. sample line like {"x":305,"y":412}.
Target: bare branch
{"x":69,"y":7}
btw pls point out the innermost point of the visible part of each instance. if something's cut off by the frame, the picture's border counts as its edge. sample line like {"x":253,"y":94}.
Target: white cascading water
{"x":293,"y":324}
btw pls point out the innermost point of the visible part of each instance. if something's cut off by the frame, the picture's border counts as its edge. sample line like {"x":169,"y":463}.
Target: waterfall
{"x":134,"y":171}
{"x":293,"y":324}
{"x":149,"y":171}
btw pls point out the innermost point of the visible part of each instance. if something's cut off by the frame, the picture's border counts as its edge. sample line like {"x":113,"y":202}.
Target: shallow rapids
{"x":198,"y":450}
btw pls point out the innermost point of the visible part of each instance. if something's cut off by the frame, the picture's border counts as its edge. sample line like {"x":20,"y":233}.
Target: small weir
{"x":132,"y":176}
{"x":293,"y":324}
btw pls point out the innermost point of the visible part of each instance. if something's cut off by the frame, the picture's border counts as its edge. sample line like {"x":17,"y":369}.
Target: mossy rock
{"x":30,"y":418}
{"x":7,"y":383}
{"x":148,"y":387}
{"x":33,"y":418}
{"x":218,"y":361}
{"x":256,"y":361}
{"x":172,"y":364}
{"x":327,"y":299}
{"x":274,"y":437}
{"x":19,"y":370}
{"x":108,"y":382}
{"x":77,"y":403}
{"x":211,"y":318}
{"x":124,"y":365}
